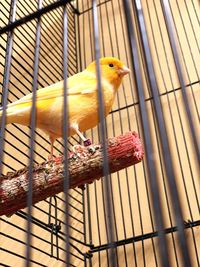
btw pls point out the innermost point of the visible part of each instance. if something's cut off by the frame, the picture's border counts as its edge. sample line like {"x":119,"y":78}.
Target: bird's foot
{"x":50,"y":157}
{"x":57,"y":160}
{"x":79,"y":148}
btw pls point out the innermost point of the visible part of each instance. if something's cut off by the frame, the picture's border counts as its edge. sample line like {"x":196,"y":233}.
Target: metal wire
{"x":106,"y":184}
{"x":33,"y":15}
{"x":32,"y":137}
{"x":125,"y":231}
{"x":168,"y":18}
{"x":148,"y":143}
{"x":40,"y":144}
{"x":6,"y":79}
{"x":163,"y":135}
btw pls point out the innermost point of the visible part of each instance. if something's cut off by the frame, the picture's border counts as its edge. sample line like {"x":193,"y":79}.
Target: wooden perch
{"x":84,"y":167}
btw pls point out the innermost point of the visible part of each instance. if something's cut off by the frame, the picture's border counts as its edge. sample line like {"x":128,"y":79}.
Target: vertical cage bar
{"x":169,"y":25}
{"x":162,"y":133}
{"x":87,"y":193}
{"x":6,"y":79}
{"x":106,"y":180}
{"x":65,"y":130}
{"x":79,"y":68}
{"x":148,"y":144}
{"x":131,"y":209}
{"x":104,"y":40}
{"x":32,"y":137}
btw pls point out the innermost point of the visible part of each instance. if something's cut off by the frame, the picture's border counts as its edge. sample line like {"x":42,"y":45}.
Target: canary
{"x":82,"y":101}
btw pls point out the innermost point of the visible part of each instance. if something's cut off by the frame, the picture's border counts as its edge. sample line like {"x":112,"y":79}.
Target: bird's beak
{"x":124,"y":70}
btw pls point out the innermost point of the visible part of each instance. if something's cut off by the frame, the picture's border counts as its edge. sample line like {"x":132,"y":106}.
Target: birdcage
{"x":146,"y":214}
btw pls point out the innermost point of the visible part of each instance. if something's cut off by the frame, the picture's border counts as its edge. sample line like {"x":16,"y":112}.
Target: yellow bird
{"x":82,"y":101}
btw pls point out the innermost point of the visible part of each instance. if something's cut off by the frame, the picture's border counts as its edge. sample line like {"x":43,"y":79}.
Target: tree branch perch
{"x":85,"y":167}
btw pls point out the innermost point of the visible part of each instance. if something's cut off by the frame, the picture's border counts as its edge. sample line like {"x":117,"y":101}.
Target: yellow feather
{"x":82,"y":100}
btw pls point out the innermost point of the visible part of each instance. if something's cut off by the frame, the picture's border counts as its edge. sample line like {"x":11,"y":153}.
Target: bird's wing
{"x":81,"y":83}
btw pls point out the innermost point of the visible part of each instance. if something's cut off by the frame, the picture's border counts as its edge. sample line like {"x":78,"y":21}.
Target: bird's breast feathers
{"x":82,"y":108}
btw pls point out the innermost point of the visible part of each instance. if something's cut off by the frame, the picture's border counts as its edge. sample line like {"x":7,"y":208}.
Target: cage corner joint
{"x":84,"y":167}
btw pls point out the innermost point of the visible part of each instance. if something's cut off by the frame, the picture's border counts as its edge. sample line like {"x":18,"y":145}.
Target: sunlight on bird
{"x":82,"y":101}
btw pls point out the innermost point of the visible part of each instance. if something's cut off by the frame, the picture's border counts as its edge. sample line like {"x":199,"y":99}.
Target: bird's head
{"x":112,"y":69}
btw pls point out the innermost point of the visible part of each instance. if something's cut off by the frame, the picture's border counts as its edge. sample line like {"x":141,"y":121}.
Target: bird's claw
{"x":77,"y":149}
{"x":50,"y":157}
{"x":57,"y":160}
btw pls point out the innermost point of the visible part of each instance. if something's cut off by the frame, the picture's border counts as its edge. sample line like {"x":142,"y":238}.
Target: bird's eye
{"x":111,"y":65}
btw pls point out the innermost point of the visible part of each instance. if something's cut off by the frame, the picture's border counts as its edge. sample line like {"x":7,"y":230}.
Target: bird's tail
{"x":10,"y":115}
{"x":16,"y":113}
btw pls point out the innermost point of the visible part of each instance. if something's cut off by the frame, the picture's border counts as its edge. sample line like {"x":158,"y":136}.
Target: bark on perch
{"x":84,"y":168}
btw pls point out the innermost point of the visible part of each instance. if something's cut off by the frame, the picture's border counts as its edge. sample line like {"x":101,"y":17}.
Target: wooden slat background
{"x":124,"y":117}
